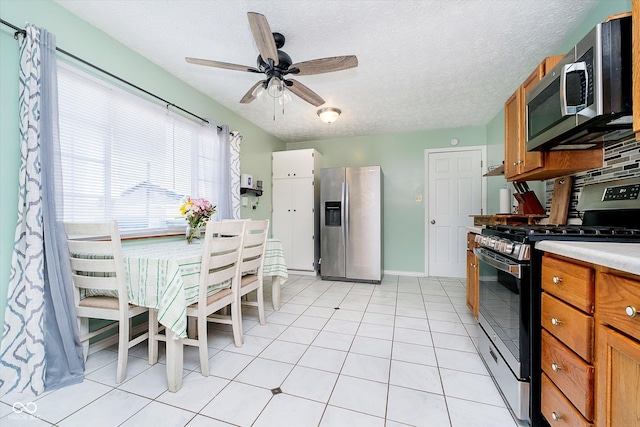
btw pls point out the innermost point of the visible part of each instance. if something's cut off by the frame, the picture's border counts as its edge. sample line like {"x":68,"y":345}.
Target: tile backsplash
{"x":621,"y":160}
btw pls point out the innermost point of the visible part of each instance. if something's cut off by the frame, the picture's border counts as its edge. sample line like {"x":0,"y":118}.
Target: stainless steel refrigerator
{"x":351,"y":224}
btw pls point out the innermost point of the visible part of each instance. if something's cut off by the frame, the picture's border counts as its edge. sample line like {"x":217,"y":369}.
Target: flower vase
{"x":192,"y":233}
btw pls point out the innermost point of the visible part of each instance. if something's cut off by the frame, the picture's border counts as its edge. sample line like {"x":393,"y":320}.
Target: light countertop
{"x":475,"y":229}
{"x":621,"y":256}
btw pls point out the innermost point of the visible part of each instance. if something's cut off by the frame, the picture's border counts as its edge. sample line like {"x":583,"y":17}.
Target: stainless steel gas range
{"x":509,"y":314}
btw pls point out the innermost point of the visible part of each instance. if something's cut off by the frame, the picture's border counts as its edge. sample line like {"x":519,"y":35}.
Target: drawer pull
{"x":631,"y":311}
{"x":557,"y":280}
{"x":556,"y":367}
{"x":555,"y":416}
{"x":556,"y":321}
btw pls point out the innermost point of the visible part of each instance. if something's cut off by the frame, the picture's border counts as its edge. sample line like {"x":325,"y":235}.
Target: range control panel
{"x":610,"y":195}
{"x":621,"y":192}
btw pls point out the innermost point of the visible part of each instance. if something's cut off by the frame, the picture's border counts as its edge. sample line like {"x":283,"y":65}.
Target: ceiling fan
{"x":276,"y":64}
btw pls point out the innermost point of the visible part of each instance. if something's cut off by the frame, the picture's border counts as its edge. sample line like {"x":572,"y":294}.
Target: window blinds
{"x":128,"y":159}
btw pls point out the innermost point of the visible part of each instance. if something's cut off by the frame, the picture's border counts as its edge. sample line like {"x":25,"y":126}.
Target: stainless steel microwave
{"x":586,"y":99}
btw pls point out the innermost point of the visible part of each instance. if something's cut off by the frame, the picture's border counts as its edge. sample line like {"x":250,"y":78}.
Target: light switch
{"x":245,"y":201}
{"x":418,"y":198}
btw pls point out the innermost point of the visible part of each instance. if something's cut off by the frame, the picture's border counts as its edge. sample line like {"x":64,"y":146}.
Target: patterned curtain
{"x":40,"y":348}
{"x":234,"y":146}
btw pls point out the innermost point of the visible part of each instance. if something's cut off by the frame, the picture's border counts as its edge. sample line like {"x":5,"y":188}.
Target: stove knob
{"x":509,"y":247}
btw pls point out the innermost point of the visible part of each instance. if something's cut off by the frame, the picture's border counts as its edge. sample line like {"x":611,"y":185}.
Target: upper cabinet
{"x":294,"y":163}
{"x":635,"y":5}
{"x":521,"y":165}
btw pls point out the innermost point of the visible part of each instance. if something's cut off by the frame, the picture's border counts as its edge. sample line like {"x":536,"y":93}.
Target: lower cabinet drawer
{"x":619,"y":302}
{"x":557,"y":409}
{"x":572,"y":375}
{"x":571,"y":326}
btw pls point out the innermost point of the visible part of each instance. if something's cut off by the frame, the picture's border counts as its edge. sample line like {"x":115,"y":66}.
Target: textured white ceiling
{"x":424,"y":64}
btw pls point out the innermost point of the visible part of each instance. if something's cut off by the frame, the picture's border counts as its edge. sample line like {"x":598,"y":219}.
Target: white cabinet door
{"x":293,"y":164}
{"x":282,"y":217}
{"x":302,"y":224}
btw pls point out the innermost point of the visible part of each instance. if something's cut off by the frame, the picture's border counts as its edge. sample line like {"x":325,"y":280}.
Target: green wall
{"x":85,"y":41}
{"x":401,"y":156}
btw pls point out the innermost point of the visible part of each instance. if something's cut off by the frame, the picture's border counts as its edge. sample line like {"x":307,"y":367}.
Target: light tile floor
{"x":343,"y":354}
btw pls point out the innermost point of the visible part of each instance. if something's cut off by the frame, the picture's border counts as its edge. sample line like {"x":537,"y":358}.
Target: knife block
{"x":529,"y":204}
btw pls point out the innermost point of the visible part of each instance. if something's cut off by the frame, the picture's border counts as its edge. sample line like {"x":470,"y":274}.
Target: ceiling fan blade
{"x":249,"y":96}
{"x":326,"y":65}
{"x":218,"y":64}
{"x":305,"y":93}
{"x":263,"y":37}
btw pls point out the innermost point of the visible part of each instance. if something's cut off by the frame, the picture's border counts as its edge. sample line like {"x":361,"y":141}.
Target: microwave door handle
{"x":569,"y":110}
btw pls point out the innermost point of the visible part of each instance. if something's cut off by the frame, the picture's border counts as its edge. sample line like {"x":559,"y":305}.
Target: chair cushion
{"x":248,"y":279}
{"x":214,"y":297}
{"x":100,"y":302}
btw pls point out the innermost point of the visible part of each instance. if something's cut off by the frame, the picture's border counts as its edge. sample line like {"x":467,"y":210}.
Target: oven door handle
{"x":498,"y":262}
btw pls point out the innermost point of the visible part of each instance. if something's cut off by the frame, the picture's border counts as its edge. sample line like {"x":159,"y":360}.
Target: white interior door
{"x":454,"y":186}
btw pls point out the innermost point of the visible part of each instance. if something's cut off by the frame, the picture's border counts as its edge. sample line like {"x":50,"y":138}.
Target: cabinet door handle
{"x":557,"y":280}
{"x":556,"y":367}
{"x":555,"y":321}
{"x":555,"y":416}
{"x":631,"y":311}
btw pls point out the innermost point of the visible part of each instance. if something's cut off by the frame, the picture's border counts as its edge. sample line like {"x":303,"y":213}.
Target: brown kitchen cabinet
{"x":522,"y":165}
{"x":618,"y":349}
{"x":473,"y":278}
{"x":568,"y":337}
{"x":635,"y":10}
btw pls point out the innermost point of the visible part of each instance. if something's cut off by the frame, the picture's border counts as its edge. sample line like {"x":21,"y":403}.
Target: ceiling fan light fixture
{"x":285,"y":98}
{"x":275,"y":88}
{"x":329,"y":114}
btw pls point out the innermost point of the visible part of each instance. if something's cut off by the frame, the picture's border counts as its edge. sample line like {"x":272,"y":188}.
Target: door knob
{"x":433,"y":221}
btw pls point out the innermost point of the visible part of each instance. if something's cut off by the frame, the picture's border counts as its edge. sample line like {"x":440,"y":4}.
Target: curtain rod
{"x":24,"y":33}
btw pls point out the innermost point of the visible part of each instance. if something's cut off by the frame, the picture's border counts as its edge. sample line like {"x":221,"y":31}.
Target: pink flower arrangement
{"x":197,"y":211}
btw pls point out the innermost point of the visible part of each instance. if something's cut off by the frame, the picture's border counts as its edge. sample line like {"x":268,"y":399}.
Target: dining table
{"x":163,"y":274}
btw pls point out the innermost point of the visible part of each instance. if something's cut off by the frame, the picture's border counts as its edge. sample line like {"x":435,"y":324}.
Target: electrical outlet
{"x":417,"y":198}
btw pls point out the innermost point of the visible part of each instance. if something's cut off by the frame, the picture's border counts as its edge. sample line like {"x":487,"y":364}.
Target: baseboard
{"x":302,"y":272}
{"x":113,"y":339}
{"x":404,"y":273}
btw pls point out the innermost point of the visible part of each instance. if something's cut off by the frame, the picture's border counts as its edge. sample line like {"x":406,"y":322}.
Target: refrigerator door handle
{"x":346,"y":215}
{"x":342,"y":213}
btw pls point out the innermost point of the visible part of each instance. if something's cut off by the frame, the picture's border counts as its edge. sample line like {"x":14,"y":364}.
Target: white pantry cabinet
{"x":296,"y":206}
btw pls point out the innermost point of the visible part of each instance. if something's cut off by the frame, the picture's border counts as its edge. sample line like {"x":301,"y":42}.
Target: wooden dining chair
{"x":255,"y":243}
{"x":98,"y":274}
{"x":221,"y":258}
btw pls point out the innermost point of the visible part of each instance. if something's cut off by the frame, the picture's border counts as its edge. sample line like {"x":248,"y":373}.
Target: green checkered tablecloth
{"x":164,"y":274}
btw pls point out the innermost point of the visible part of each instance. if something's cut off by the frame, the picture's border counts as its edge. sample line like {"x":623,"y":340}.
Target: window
{"x":128,"y":159}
